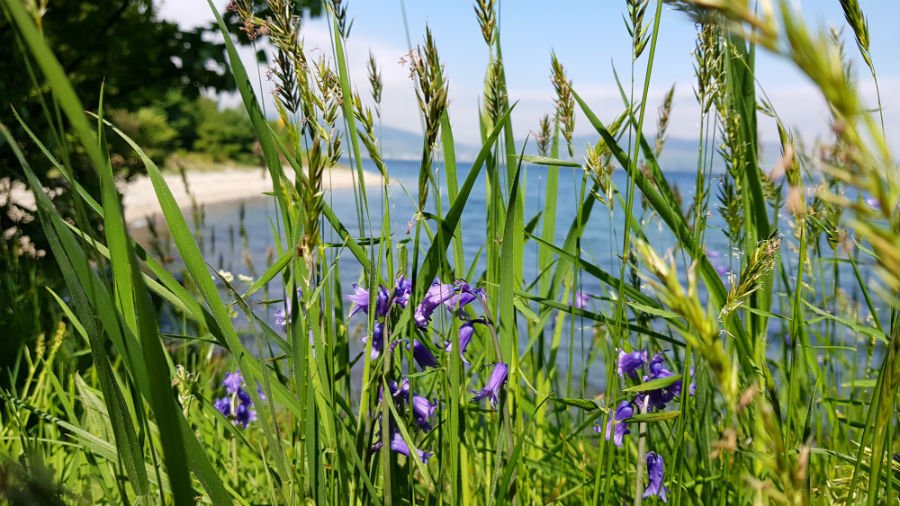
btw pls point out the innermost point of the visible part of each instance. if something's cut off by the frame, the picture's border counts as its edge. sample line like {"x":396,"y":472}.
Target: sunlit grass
{"x":766,"y":376}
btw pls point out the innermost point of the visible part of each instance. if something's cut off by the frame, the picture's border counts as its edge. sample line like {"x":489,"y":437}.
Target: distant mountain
{"x":679,"y":155}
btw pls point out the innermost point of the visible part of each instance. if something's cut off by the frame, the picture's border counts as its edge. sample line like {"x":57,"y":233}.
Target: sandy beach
{"x":206,"y":187}
{"x":225,"y":185}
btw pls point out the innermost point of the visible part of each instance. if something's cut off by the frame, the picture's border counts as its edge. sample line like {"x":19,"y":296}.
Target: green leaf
{"x":659,"y":416}
{"x":585,"y":404}
{"x":656,"y":384}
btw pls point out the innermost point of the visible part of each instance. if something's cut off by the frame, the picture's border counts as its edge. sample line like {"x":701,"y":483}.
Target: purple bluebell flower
{"x":722,"y":269}
{"x":377,"y":339}
{"x":398,"y":391}
{"x":423,"y":409}
{"x":464,"y":296}
{"x":401,"y":390}
{"x":223,"y":405}
{"x":656,"y":468}
{"x":237,"y":404}
{"x":629,"y":363}
{"x":282,"y":314}
{"x":582,"y":299}
{"x":233,"y":382}
{"x":660,"y":397}
{"x":617,"y":422}
{"x":466,"y":331}
{"x":434,"y":297}
{"x":360,"y":299}
{"x":492,"y":389}
{"x":402,"y":289}
{"x":399,"y":445}
{"x":423,"y":355}
{"x":244,"y":414}
{"x":873,"y":203}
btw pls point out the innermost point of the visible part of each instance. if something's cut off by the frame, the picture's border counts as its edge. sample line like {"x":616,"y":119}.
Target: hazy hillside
{"x":679,"y":154}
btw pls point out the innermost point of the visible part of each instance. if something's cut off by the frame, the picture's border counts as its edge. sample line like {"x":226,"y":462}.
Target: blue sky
{"x":589,"y":38}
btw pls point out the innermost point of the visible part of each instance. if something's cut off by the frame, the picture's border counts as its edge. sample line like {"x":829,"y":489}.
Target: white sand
{"x":207,"y":187}
{"x":214,"y":187}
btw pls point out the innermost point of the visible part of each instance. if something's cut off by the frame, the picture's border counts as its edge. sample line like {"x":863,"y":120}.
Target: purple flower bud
{"x":434,"y":297}
{"x":466,"y":331}
{"x":244,"y":415}
{"x":377,"y":339}
{"x":233,"y":382}
{"x":655,"y":473}
{"x":617,"y":421}
{"x":629,"y":363}
{"x":399,"y":445}
{"x":402,"y":289}
{"x":223,"y":405}
{"x":423,"y":409}
{"x":423,"y":355}
{"x":582,"y":299}
{"x":398,"y":392}
{"x":494,"y":384}
{"x":282,"y":315}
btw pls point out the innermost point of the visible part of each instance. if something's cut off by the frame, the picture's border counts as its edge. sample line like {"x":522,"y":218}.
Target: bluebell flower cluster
{"x":454,"y":297}
{"x":631,"y":365}
{"x":639,"y":367}
{"x":236,"y":405}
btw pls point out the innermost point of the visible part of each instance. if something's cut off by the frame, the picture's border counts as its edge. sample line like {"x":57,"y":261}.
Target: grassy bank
{"x":766,"y":373}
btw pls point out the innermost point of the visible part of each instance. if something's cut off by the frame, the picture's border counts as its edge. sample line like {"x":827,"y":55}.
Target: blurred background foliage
{"x":159,"y":84}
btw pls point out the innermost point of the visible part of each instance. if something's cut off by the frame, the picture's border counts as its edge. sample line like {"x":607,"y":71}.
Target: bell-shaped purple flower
{"x":402,"y":289}
{"x":237,"y":404}
{"x":360,"y":299}
{"x":223,"y":405}
{"x":399,"y":392}
{"x":492,"y":389}
{"x":399,"y":445}
{"x":617,"y":423}
{"x":244,"y":414}
{"x":466,"y":331}
{"x":629,"y":363}
{"x":463,"y":296}
{"x":656,"y":468}
{"x":423,"y":355}
{"x":660,"y":397}
{"x":377,"y":339}
{"x":582,"y":299}
{"x":423,"y":409}
{"x":282,"y":315}
{"x":434,"y":297}
{"x":233,"y":382}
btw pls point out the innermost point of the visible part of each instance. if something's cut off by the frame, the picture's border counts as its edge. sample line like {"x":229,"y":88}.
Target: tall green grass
{"x":793,"y":369}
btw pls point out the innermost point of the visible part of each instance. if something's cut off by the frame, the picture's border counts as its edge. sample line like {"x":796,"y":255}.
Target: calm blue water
{"x":251,"y":252}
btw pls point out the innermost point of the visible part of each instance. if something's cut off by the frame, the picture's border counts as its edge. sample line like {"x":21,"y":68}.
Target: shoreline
{"x":228,"y":184}
{"x":207,"y":187}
